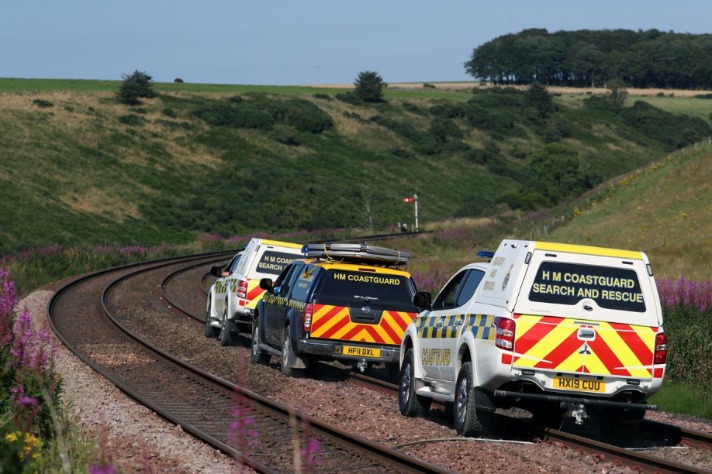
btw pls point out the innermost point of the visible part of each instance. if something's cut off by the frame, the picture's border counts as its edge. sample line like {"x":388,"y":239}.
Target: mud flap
{"x":484,"y":400}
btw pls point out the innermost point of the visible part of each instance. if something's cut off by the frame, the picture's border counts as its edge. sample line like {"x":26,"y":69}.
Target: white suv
{"x":234,"y":295}
{"x":552,"y":328}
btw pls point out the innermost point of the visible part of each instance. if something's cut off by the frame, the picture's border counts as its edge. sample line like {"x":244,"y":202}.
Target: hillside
{"x":662,"y":209}
{"x":78,"y":168}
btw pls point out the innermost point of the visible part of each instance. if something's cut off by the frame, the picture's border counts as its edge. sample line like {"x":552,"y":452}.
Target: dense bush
{"x":350,"y":98}
{"x":300,"y":114}
{"x":448,"y":110}
{"x":263,"y":114}
{"x":674,"y":131}
{"x":42,"y":103}
{"x":493,"y":120}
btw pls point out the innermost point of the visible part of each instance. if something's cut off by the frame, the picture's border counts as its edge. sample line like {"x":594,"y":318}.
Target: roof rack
{"x":356,"y":253}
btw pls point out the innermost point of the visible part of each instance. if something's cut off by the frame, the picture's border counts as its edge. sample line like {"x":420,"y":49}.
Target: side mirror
{"x":216,"y":271}
{"x":266,"y":284}
{"x":422,"y":300}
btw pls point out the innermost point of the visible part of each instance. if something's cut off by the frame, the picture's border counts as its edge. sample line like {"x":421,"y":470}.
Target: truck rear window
{"x":568,"y":283}
{"x":370,"y":288}
{"x":273,"y":263}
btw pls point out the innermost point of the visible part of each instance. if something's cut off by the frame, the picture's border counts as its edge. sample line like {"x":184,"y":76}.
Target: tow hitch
{"x":362,"y":365}
{"x":575,"y":411}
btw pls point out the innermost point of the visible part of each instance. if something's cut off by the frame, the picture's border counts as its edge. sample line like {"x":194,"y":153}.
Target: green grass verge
{"x":684,"y":399}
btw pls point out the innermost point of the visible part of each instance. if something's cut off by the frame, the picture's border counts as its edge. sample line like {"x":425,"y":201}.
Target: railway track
{"x":199,"y":282}
{"x":89,"y":317}
{"x":656,"y":434}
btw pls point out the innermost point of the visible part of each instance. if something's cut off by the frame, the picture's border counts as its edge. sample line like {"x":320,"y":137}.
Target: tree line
{"x":591,"y":58}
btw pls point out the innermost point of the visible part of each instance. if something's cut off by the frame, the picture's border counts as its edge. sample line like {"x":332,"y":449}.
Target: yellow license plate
{"x":356,"y":351}
{"x":579,"y":384}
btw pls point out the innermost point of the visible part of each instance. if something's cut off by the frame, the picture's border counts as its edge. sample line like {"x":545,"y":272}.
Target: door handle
{"x":439,"y":323}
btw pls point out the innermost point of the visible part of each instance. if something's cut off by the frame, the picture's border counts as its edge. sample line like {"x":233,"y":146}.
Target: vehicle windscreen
{"x":366,"y":288}
{"x":568,"y":283}
{"x":273,"y":263}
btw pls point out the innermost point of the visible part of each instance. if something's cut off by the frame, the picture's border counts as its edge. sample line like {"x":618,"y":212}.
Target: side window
{"x":233,"y":263}
{"x":446,"y":298}
{"x":469,"y":286}
{"x":304,"y":281}
{"x":283,"y":282}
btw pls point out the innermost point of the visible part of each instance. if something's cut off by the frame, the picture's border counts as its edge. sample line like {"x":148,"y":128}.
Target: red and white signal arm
{"x":411,"y":199}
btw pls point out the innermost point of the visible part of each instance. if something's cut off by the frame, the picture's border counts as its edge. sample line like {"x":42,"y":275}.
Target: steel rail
{"x":387,"y":456}
{"x":641,"y":461}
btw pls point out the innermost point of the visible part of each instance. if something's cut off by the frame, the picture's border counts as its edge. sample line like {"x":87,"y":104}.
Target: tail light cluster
{"x":505,"y":333}
{"x":661,"y":348}
{"x":308,"y":311}
{"x":241,"y":289}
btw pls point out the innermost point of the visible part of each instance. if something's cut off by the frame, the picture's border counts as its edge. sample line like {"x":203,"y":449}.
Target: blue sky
{"x":271,"y":42}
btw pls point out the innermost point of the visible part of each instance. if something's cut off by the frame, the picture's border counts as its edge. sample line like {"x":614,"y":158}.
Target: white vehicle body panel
{"x":261,"y":258}
{"x":586,"y":323}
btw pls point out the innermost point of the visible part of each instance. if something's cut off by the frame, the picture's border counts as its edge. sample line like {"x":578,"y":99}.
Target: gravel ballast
{"x":138,"y":439}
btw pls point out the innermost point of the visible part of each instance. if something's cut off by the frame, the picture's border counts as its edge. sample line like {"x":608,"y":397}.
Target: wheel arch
{"x":467,"y":352}
{"x":292,"y":318}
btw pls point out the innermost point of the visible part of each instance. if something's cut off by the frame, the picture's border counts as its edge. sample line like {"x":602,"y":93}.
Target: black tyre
{"x":257,"y":355}
{"x":287,"y":353}
{"x":210,"y":331}
{"x":225,"y":336}
{"x":410,"y":403}
{"x":469,"y":421}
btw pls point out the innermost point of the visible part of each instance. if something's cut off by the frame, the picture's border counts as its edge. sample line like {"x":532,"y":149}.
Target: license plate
{"x":356,"y":351}
{"x":579,"y":384}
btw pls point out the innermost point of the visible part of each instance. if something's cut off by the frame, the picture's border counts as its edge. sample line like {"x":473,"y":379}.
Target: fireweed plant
{"x":687,"y":312}
{"x":243,"y":434}
{"x":29,"y":385}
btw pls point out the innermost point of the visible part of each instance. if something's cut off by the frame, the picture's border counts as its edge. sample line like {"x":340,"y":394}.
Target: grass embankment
{"x":80,"y":168}
{"x":139,"y":183}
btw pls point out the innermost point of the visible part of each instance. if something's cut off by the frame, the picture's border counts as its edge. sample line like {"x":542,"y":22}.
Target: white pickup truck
{"x":556,"y":329}
{"x":234,"y":295}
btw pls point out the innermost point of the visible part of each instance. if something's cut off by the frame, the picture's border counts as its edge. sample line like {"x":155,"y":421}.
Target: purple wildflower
{"x":310,"y":454}
{"x":242,"y":429}
{"x":20,"y":398}
{"x":105,"y":469}
{"x":683,"y":292}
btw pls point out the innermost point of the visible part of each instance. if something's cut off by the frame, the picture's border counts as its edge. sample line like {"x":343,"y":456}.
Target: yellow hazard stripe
{"x":281,"y":244}
{"x":589,"y":250}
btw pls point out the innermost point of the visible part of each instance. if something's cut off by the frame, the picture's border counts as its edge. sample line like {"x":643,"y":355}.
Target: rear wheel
{"x":225,"y":336}
{"x":469,"y":421}
{"x":210,"y":331}
{"x":409,"y":402}
{"x":258,"y":356}
{"x":287,"y":353}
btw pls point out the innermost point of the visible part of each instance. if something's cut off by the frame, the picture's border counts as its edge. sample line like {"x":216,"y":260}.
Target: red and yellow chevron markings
{"x":551,"y":343}
{"x":333,"y":322}
{"x":254,"y":293}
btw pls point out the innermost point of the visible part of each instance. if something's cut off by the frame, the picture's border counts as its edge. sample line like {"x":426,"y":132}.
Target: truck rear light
{"x":661,"y":348}
{"x":308,"y":311}
{"x":241,"y":289}
{"x":505,"y":333}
